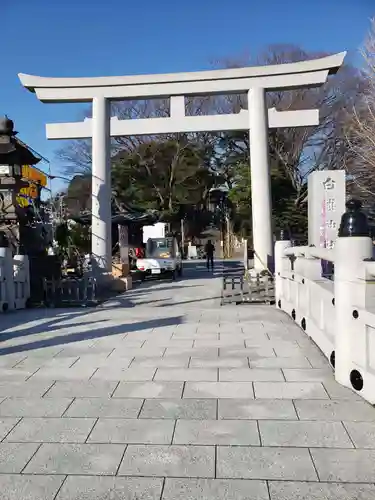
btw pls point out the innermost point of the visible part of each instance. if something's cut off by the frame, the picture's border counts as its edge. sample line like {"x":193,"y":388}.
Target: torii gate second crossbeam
{"x":257,"y":119}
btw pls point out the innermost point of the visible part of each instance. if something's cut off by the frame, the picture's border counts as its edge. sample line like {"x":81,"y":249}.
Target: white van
{"x":163,"y":258}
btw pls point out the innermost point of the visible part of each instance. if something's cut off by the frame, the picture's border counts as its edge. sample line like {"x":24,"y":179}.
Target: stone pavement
{"x":163,"y":394}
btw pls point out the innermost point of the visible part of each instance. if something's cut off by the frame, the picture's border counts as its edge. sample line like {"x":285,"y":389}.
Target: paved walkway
{"x":163,"y":394}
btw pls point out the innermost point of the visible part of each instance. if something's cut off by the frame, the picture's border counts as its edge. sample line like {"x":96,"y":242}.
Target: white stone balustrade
{"x":14,"y":281}
{"x":338,"y":314}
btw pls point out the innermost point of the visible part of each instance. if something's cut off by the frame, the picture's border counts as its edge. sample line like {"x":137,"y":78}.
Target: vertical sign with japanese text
{"x":326,"y":204}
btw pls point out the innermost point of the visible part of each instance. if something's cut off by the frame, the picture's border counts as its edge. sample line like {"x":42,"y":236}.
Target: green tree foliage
{"x":287,"y":215}
{"x":171,"y":177}
{"x":162,"y":175}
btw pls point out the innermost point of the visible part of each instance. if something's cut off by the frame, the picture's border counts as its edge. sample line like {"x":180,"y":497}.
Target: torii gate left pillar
{"x":101,"y":225}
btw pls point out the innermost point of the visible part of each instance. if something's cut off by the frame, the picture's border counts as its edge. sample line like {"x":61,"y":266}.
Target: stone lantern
{"x":15,"y":210}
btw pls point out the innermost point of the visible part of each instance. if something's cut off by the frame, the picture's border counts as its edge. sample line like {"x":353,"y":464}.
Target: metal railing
{"x":70,"y":291}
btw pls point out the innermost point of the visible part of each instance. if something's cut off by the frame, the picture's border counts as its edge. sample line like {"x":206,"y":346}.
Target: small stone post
{"x":280,"y":262}
{"x":123,"y":240}
{"x":7,"y":259}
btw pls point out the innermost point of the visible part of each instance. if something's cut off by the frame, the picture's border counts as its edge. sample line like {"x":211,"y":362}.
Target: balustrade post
{"x":6,"y":254}
{"x":352,"y":246}
{"x":280,"y":260}
{"x":25,"y":265}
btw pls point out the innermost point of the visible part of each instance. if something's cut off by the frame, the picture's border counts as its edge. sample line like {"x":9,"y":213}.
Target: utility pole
{"x":227,"y":232}
{"x":182,"y":238}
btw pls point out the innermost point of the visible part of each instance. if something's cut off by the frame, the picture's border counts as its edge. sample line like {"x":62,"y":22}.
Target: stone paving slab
{"x":93,"y":361}
{"x":19,"y":487}
{"x":288,"y":490}
{"x":308,"y":375}
{"x":218,"y":489}
{"x":362,"y":434}
{"x":14,"y":456}
{"x":221,"y":362}
{"x":265,"y":463}
{"x":334,"y":410}
{"x":29,"y":388}
{"x":132,"y":374}
{"x":337,"y":391}
{"x":177,"y":398}
{"x":208,"y":352}
{"x":251,"y":353}
{"x":119,"y":488}
{"x":348,"y":466}
{"x":132,"y":431}
{"x":276,"y":362}
{"x":13,"y":374}
{"x":92,"y":459}
{"x":187,"y":375}
{"x":136,"y":352}
{"x":258,"y":409}
{"x":6,"y":426}
{"x":190,"y":409}
{"x":250,"y":375}
{"x":149,"y":390}
{"x":304,"y":434}
{"x":104,"y":408}
{"x":216,"y":432}
{"x":158,"y":362}
{"x":75,"y":373}
{"x":169,"y":461}
{"x":33,"y":364}
{"x":290,"y":390}
{"x":51,"y":430}
{"x":10,"y":360}
{"x":34,"y":407}
{"x":218,"y":390}
{"x":82,"y":389}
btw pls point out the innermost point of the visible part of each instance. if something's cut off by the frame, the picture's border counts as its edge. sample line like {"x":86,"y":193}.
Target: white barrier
{"x":21,"y":276}
{"x":338,"y":315}
{"x":3,"y":289}
{"x":14,"y":281}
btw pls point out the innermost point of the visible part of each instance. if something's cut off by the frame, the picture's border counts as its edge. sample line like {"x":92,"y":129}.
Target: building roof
{"x":18,"y":152}
{"x":121,"y":215}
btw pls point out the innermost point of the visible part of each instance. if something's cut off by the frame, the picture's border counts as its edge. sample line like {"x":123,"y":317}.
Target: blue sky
{"x":120,"y":37}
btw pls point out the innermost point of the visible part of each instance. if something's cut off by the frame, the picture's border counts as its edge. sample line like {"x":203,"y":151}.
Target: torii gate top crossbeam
{"x":281,"y":76}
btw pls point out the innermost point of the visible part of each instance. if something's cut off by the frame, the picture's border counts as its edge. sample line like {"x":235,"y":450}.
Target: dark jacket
{"x":209,"y":249}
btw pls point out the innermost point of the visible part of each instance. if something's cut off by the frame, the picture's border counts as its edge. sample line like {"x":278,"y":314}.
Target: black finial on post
{"x":354,"y":221}
{"x":6,"y":126}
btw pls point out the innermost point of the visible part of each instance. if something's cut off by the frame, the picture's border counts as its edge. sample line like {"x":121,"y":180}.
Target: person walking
{"x":210,"y":250}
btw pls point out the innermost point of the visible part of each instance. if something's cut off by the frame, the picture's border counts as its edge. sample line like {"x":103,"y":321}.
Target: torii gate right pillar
{"x":260,"y":180}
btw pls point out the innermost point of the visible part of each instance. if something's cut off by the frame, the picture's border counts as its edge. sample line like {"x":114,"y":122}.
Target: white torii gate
{"x":257,"y":119}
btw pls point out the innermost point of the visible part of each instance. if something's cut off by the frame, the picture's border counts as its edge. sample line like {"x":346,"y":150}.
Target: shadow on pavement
{"x":92,"y":334}
{"x":53,"y":316}
{"x":42,"y":328}
{"x":50,"y":319}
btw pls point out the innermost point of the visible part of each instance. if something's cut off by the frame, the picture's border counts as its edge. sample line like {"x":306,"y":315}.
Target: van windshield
{"x":159,"y":248}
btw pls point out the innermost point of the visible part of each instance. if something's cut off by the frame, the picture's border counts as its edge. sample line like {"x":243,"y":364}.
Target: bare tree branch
{"x":360,"y":131}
